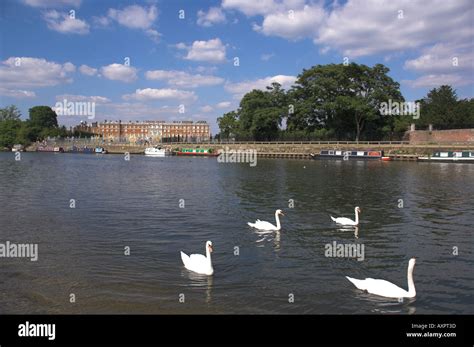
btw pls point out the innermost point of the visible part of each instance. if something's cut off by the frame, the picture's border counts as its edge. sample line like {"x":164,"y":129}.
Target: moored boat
{"x":450,"y":156}
{"x":50,"y":149}
{"x":18,"y":148}
{"x":100,"y":150}
{"x":155,"y":152}
{"x":346,"y":155}
{"x":199,"y":152}
{"x":84,"y":150}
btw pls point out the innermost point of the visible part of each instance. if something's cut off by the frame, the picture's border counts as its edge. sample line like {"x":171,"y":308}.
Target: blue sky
{"x":48,"y":53}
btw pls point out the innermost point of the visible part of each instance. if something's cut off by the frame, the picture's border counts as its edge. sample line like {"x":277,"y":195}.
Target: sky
{"x":194,"y":60}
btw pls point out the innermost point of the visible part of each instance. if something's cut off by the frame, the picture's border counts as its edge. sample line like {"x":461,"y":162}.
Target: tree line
{"x":341,"y":102}
{"x":42,"y":123}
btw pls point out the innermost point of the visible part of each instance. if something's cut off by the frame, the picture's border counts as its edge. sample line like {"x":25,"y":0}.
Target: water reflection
{"x":264,"y":236}
{"x":355,"y":229}
{"x":199,"y":281}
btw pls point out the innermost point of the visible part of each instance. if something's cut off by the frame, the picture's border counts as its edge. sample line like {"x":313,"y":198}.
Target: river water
{"x":155,"y":207}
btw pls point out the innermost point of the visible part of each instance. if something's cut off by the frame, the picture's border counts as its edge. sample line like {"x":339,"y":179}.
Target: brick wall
{"x":441,"y":136}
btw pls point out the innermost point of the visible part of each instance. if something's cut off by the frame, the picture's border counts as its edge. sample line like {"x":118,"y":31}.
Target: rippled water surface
{"x":136,"y":204}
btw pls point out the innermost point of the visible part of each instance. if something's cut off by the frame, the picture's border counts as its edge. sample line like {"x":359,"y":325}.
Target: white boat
{"x":155,"y":152}
{"x":18,"y":148}
{"x":100,"y":150}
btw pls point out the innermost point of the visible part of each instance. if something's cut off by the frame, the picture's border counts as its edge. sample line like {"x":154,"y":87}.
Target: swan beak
{"x":211,"y":249}
{"x":282,"y":213}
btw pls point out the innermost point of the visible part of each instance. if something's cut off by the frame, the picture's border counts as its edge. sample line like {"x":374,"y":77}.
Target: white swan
{"x":347,"y":221}
{"x":262,"y":225}
{"x":388,"y":289}
{"x":199,"y":263}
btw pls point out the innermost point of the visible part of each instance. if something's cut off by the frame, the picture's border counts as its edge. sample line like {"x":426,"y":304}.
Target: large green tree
{"x":338,"y":101}
{"x":345,"y":98}
{"x":261,"y":112}
{"x":228,"y":125}
{"x":43,"y":117}
{"x":443,"y":110}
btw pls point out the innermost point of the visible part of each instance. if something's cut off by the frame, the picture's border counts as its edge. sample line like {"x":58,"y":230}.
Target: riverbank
{"x":301,"y":150}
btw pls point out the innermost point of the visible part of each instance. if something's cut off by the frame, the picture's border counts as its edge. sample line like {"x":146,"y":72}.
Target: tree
{"x":344,"y":102}
{"x":443,"y":110}
{"x":43,"y":116}
{"x":228,"y":125}
{"x":8,"y":132}
{"x":344,"y":98}
{"x":261,"y":112}
{"x":10,"y":113}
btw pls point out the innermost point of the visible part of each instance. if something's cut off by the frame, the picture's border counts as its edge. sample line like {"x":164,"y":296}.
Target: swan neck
{"x":208,"y":254}
{"x":277,"y":218}
{"x":411,"y":283}
{"x":356,"y":216}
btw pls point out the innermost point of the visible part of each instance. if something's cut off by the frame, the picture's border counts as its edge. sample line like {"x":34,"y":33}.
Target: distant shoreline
{"x":301,"y":150}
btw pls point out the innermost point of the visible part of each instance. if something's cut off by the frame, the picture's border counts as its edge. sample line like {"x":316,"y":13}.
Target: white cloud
{"x":160,"y":94}
{"x":213,"y":16}
{"x":213,"y":51}
{"x":290,"y":19}
{"x":134,"y":16}
{"x":435,"y":80}
{"x":223,"y":104}
{"x":101,"y":21}
{"x":53,"y":3}
{"x":73,"y":98}
{"x":181,"y":45}
{"x":267,"y":56}
{"x":292,"y":24}
{"x":119,"y":72}
{"x":153,"y":35}
{"x":249,"y":7}
{"x":87,"y":70}
{"x":442,"y":63}
{"x":183,"y":79}
{"x":27,"y":72}
{"x":370,"y":27}
{"x":64,"y":23}
{"x":17,"y":93}
{"x":207,"y":109}
{"x":240,"y":88}
{"x":444,"y":58}
{"x":359,"y":28}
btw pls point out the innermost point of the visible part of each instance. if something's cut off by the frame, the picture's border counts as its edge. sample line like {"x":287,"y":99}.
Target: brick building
{"x":153,"y":131}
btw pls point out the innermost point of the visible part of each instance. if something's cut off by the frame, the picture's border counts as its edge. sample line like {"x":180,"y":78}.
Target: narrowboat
{"x":49,"y":149}
{"x":346,"y":155}
{"x":450,"y":156}
{"x":155,"y":152}
{"x":199,"y":152}
{"x":84,"y":150}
